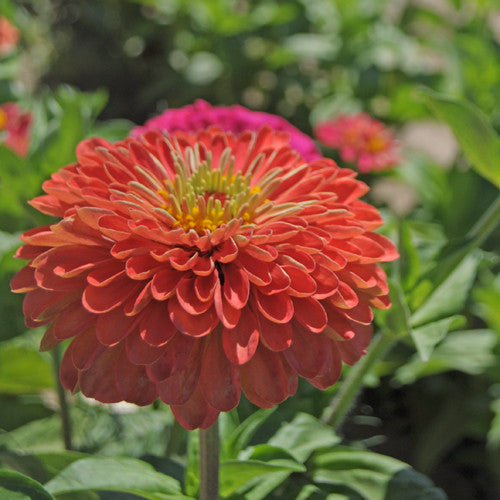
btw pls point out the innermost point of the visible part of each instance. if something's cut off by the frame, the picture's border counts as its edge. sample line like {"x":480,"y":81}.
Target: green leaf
{"x":15,"y":486}
{"x":427,"y":337}
{"x":115,"y":474}
{"x":242,"y":435}
{"x":476,"y":136}
{"x":236,"y":473}
{"x":373,"y":476}
{"x":449,"y":297}
{"x":469,"y":351}
{"x":395,"y":320}
{"x":303,"y":435}
{"x":23,"y":370}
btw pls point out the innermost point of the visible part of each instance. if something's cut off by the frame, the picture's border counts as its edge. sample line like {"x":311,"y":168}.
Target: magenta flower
{"x":235,"y":119}
{"x":360,"y":139}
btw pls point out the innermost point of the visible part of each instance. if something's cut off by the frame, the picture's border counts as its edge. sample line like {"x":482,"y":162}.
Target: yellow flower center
{"x":203,"y":198}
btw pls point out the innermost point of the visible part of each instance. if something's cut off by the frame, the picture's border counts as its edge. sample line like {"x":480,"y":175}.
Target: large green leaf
{"x":236,"y":473}
{"x":303,"y":435}
{"x":477,"y":138}
{"x":16,"y":486}
{"x":449,"y":297}
{"x":427,"y":337}
{"x":372,"y":476}
{"x":115,"y":474}
{"x":242,"y":435}
{"x":23,"y":370}
{"x":468,"y":351}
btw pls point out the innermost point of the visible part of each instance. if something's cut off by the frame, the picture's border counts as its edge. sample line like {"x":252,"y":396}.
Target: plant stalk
{"x":209,"y":462}
{"x":63,"y":402}
{"x":351,"y":386}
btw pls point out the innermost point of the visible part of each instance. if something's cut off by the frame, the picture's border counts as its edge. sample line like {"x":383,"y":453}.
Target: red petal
{"x":360,"y":313}
{"x":241,"y":342}
{"x":141,"y":267}
{"x":46,"y":279}
{"x":345,"y":297}
{"x":236,"y":286}
{"x":196,"y":413}
{"x":68,"y":372}
{"x":42,"y":304}
{"x":228,"y":315}
{"x":133,"y":383}
{"x":23,"y":281}
{"x":204,"y":286}
{"x":277,"y":307}
{"x":173,"y":359}
{"x":219,"y":379}
{"x":187,"y":297}
{"x":276,"y":336}
{"x":106,"y":298}
{"x":155,"y":326}
{"x":310,"y":353}
{"x":105,"y":275}
{"x":49,"y":341}
{"x":351,"y":350}
{"x":99,"y":381}
{"x":226,"y":252}
{"x":114,"y":326}
{"x":332,"y":375}
{"x":85,"y":348}
{"x":326,"y":282}
{"x":196,"y":326}
{"x":139,"y":352}
{"x":73,"y":320}
{"x":280,"y":281}
{"x":264,"y":379}
{"x":257,"y":272}
{"x":301,"y":283}
{"x":164,"y":283}
{"x":178,"y":388}
{"x":310,"y":313}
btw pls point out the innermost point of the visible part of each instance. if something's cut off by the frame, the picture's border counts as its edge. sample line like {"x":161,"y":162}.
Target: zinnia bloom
{"x":194,"y":266}
{"x":235,"y":119}
{"x":9,"y":36}
{"x":15,"y":128}
{"x":360,"y":139}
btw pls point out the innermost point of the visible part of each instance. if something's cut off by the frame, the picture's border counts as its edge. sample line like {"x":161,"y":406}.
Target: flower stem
{"x":350,"y":387}
{"x":209,"y":462}
{"x":486,"y":224}
{"x":63,"y":402}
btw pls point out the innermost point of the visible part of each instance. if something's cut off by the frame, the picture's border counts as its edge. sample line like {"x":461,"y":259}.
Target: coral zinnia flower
{"x":15,"y":128}
{"x":235,"y":119}
{"x":193,"y":266}
{"x":360,"y":139}
{"x":9,"y":36}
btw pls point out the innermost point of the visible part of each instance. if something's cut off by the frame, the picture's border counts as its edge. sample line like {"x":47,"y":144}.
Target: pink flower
{"x":235,"y":119}
{"x":360,"y":139}
{"x":15,"y":128}
{"x":9,"y":36}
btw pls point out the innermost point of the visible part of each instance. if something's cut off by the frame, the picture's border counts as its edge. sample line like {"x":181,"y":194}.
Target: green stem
{"x":486,"y":224}
{"x":209,"y":462}
{"x":63,"y":402}
{"x":350,"y":387}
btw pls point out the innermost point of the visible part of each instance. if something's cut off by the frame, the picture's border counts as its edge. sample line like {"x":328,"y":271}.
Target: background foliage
{"x":96,"y":67}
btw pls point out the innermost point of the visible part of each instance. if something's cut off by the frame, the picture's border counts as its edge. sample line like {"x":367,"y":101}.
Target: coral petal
{"x":241,"y":341}
{"x":219,"y":379}
{"x":310,"y":313}
{"x":196,"y":326}
{"x":264,"y":377}
{"x":236,"y":286}
{"x":277,"y":307}
{"x":155,"y":326}
{"x":276,"y":336}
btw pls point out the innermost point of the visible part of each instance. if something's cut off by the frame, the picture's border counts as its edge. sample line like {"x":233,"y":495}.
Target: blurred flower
{"x":235,"y":119}
{"x":194,"y":266}
{"x":360,"y":139}
{"x":15,"y":128}
{"x":9,"y":36}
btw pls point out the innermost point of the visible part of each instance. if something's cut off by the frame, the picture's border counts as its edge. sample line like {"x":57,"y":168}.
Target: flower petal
{"x":241,"y":341}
